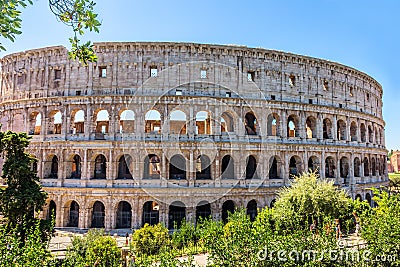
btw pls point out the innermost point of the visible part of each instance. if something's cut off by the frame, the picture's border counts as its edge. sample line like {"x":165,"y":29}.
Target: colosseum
{"x":157,"y":132}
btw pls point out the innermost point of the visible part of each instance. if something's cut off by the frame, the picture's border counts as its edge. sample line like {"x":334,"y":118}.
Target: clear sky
{"x":363,"y":34}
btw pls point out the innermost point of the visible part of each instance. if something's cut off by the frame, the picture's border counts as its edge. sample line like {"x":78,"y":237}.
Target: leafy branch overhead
{"x":77,"y":14}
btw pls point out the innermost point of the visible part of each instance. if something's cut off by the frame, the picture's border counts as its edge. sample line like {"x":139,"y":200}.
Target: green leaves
{"x":84,"y":53}
{"x":10,"y":21}
{"x":78,"y":14}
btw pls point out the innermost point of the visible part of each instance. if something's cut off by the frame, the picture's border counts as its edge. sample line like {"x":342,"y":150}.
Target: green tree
{"x":23,"y":195}
{"x":32,"y":252}
{"x":150,"y":240}
{"x":380,"y":229}
{"x":310,"y":198}
{"x":94,"y":249}
{"x":77,"y":14}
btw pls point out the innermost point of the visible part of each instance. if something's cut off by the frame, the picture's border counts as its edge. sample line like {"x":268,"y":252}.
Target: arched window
{"x":203,"y":122}
{"x":177,"y":167}
{"x":273,"y":125}
{"x":151,"y":213}
{"x":203,"y":167}
{"x":311,"y":127}
{"x":363,"y":133}
{"x":73,"y":215}
{"x":327,"y":129}
{"x":227,"y":167}
{"x":344,"y":167}
{"x":330,"y":167}
{"x":55,"y":120}
{"x":251,"y":168}
{"x":79,"y":122}
{"x":294,"y":166}
{"x":313,"y":164}
{"x":100,"y":167}
{"x":124,"y":215}
{"x":152,"y":122}
{"x":353,"y":131}
{"x":251,"y":210}
{"x":366,"y":166}
{"x":357,"y":165}
{"x":35,"y":123}
{"x":227,"y":123}
{"x":177,"y":122}
{"x":370,"y":134}
{"x":76,"y":167}
{"x":152,"y":166}
{"x":98,"y":215}
{"x":373,"y":166}
{"x":274,"y":170}
{"x":54,"y":168}
{"x":250,"y":124}
{"x":341,"y":130}
{"x":227,"y":208}
{"x":203,"y":210}
{"x":124,"y":167}
{"x":292,"y":126}
{"x":177,"y":213}
{"x":368,"y":199}
{"x":127,"y":122}
{"x":102,"y":122}
{"x":51,"y":213}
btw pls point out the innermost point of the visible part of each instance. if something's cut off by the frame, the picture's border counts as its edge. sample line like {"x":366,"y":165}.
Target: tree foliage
{"x":150,"y":240}
{"x":310,"y":198}
{"x":77,"y":14}
{"x":23,"y":196}
{"x":94,"y":249}
{"x":380,"y":229}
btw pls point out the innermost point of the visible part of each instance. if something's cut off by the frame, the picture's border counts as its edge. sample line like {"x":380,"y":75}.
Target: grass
{"x":394,"y":175}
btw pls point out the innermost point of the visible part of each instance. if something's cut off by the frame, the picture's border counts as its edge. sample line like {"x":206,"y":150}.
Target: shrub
{"x":187,"y":235}
{"x":150,"y":240}
{"x":92,"y":248}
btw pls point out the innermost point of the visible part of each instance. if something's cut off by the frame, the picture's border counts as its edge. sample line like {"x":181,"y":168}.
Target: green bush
{"x":150,"y":240}
{"x":187,"y":235}
{"x":92,"y":248}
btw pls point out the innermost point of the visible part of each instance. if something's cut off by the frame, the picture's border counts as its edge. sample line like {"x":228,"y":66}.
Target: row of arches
{"x":228,"y":122}
{"x":178,"y":167}
{"x":177,"y":212}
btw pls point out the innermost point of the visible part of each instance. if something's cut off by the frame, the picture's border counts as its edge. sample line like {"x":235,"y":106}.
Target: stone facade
{"x":394,"y":163}
{"x":161,"y":131}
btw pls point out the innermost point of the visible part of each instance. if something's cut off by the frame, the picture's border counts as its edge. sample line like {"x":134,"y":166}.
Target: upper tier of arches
{"x":151,"y":68}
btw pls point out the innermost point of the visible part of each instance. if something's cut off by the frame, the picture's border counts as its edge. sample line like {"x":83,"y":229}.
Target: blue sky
{"x":361,"y":34}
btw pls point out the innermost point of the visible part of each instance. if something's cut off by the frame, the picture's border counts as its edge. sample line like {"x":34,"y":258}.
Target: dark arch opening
{"x":51,"y":213}
{"x":252,"y":210}
{"x":368,"y":198}
{"x":73,"y":215}
{"x":150,"y":213}
{"x":124,"y":215}
{"x":251,"y":168}
{"x":152,"y":166}
{"x":273,"y":169}
{"x":203,"y":210}
{"x":100,"y":167}
{"x":98,"y":215}
{"x":124,"y":165}
{"x":228,"y":167}
{"x":177,"y":213}
{"x":227,"y":208}
{"x":54,"y":168}
{"x":203,"y":167}
{"x":250,"y":123}
{"x":177,"y":167}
